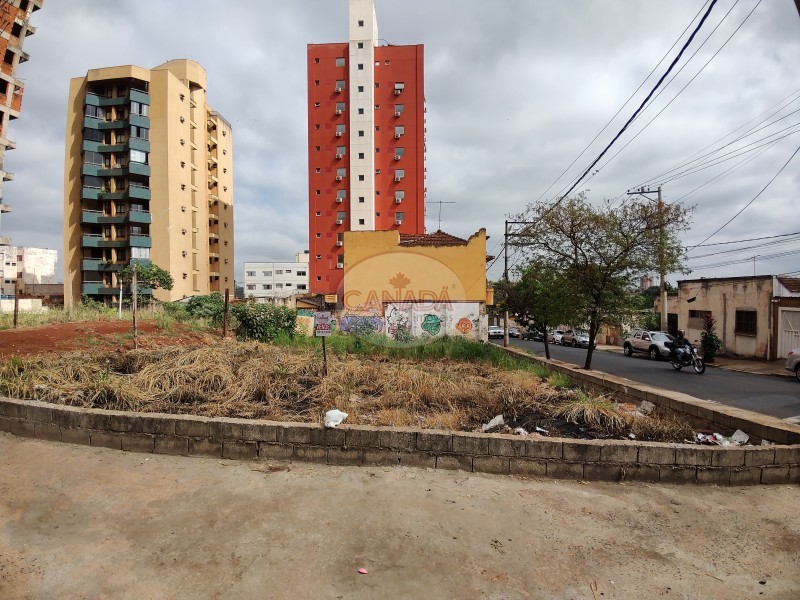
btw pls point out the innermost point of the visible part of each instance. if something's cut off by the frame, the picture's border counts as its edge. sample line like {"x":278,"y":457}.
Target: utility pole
{"x":662,"y":248}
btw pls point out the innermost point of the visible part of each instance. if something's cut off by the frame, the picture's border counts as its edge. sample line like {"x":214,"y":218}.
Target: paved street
{"x":775,"y":396}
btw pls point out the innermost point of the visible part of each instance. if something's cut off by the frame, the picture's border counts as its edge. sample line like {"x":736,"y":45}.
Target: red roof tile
{"x":437,"y":238}
{"x":791,"y":283}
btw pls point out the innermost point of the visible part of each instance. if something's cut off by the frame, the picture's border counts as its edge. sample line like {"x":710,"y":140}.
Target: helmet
{"x":681,"y":332}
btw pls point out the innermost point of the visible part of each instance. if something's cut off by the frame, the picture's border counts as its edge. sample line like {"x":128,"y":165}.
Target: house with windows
{"x":276,"y":282}
{"x":756,"y":317}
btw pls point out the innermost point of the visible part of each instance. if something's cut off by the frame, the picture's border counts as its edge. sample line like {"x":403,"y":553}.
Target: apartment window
{"x":399,"y":173}
{"x":399,"y":108}
{"x":399,"y":86}
{"x":377,"y":171}
{"x":361,"y":88}
{"x":361,"y":178}
{"x":278,"y":286}
{"x":251,"y":273}
{"x":340,"y":106}
{"x":340,"y":61}
{"x":316,"y":148}
{"x":340,"y":84}
{"x":318,"y":214}
{"x":93,"y":135}
{"x":288,"y":271}
{"x":361,"y":23}
{"x":302,"y":286}
{"x":93,"y":111}
{"x":746,"y":321}
{"x":316,"y":60}
{"x":316,"y":104}
{"x":317,"y":192}
{"x":360,"y":45}
{"x":266,"y":286}
{"x":341,"y":172}
{"x":361,"y":111}
{"x":341,"y":194}
{"x":361,"y":67}
{"x":341,"y":215}
{"x":400,"y":216}
{"x":251,"y":286}
{"x":339,"y":239}
{"x":317,"y":170}
{"x":361,"y":155}
{"x":360,"y":133}
{"x":316,"y":126}
{"x":377,"y":85}
{"x":341,"y":150}
{"x":399,"y":130}
{"x":137,"y":108}
{"x":301,"y":273}
{"x":361,"y":221}
{"x":361,"y":199}
{"x":398,"y":152}
{"x":341,"y":128}
{"x":278,"y":272}
{"x":267,"y":273}
{"x":377,"y":63}
{"x":386,"y":62}
{"x":319,"y":235}
{"x":138,"y":156}
{"x":142,"y":133}
{"x":318,"y":257}
{"x":92,"y":158}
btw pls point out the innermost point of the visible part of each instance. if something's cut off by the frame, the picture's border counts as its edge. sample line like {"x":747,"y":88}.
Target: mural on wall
{"x":361,"y":324}
{"x":426,"y":319}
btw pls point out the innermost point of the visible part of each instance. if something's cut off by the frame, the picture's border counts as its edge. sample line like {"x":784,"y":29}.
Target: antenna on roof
{"x":440,"y":202}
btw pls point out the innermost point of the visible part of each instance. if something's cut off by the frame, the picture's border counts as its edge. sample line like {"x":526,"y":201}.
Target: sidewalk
{"x":742,"y":365}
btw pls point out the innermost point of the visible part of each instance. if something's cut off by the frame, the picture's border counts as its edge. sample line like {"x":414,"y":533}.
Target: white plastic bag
{"x":334,"y":417}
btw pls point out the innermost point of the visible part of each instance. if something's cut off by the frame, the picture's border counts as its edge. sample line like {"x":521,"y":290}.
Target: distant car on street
{"x":793,"y":362}
{"x":576,"y":339}
{"x":513,"y":332}
{"x":533,"y":333}
{"x":495,"y":332}
{"x":554,"y":337}
{"x":651,"y":343}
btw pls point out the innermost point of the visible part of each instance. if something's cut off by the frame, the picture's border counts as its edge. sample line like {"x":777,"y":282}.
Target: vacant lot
{"x":82,"y":522}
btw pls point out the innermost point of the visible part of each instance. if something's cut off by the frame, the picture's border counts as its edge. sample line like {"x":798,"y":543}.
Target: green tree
{"x":600,"y":251}
{"x":709,"y":341}
{"x":538,"y":298}
{"x":148,"y":276}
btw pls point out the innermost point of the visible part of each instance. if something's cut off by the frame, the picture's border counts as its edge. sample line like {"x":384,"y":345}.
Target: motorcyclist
{"x":679,"y":344}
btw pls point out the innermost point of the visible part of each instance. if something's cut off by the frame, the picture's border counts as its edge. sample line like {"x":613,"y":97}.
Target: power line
{"x":644,"y":102}
{"x":772,"y":244}
{"x":751,"y":201}
{"x":611,"y":120}
{"x":768,"y":237}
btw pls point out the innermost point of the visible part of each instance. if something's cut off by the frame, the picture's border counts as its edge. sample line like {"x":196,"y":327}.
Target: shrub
{"x":211,"y":307}
{"x":709,"y":342}
{"x":263,"y":322}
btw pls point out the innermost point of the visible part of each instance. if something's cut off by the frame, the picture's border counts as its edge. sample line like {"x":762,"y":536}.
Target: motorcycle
{"x":688,"y":358}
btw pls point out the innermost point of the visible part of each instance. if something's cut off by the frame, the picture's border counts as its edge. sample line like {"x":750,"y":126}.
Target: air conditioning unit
{"x":397,"y":136}
{"x":338,"y":112}
{"x":398,"y":179}
{"x":397,"y":157}
{"x":398,"y":200}
{"x":184,"y":253}
{"x":337,"y":90}
{"x":338,"y":134}
{"x":339,"y":200}
{"x":340,"y":265}
{"x":397,"y":92}
{"x":339,"y":156}
{"x":339,"y":221}
{"x":339,"y":243}
{"x":338,"y":178}
{"x":397,"y":114}
{"x":398,"y":222}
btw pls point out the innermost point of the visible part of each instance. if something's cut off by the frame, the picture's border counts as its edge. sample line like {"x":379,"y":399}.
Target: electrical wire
{"x":728,"y":222}
{"x":768,"y":237}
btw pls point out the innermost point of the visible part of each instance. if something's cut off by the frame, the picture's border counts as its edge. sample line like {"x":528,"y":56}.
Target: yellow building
{"x":148,"y":175}
{"x":416,"y":285}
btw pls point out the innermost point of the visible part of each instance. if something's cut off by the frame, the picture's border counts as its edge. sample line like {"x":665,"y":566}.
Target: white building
{"x":32,"y":266}
{"x":276,"y":282}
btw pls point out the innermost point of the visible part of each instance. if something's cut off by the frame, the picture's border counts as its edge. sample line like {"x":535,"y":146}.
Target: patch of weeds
{"x":596,"y":412}
{"x":559,"y":381}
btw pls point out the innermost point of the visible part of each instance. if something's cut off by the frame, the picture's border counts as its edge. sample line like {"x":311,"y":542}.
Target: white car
{"x":793,"y":362}
{"x":554,"y":337}
{"x":496,"y":332}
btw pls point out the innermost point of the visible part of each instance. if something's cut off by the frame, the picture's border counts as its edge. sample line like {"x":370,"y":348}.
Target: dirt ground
{"x":79,"y":522}
{"x":89,"y":335}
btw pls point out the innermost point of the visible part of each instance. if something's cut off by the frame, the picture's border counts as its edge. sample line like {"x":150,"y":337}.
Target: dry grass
{"x":253,"y":380}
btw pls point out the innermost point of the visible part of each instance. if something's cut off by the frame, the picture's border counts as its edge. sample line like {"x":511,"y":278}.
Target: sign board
{"x":322,"y":324}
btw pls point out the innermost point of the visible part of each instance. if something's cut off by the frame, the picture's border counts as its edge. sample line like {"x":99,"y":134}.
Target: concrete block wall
{"x":243,"y":439}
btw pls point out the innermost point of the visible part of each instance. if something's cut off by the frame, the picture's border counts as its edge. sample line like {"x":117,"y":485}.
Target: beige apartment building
{"x":148,"y":177}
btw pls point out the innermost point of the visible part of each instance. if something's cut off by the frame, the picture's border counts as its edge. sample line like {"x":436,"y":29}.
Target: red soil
{"x":94,"y":335}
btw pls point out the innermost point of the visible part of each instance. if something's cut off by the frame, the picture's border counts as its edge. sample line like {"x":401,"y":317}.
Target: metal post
{"x":135,"y":325}
{"x":225,"y":315}
{"x":505,"y":276}
{"x":662,"y":263}
{"x":16,"y":302}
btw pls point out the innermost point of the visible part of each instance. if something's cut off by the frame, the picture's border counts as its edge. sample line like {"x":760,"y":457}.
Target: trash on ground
{"x":542,"y":431}
{"x":363,"y":571}
{"x":646,"y":407}
{"x":334,"y":417}
{"x":739,"y":437}
{"x":632,"y":436}
{"x":495,"y":423}
{"x":520,"y":431}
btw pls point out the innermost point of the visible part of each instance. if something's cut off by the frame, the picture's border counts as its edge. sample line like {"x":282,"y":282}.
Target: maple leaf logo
{"x":399,"y":281}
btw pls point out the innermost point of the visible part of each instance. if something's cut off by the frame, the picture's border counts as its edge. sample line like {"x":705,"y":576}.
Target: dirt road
{"x":78,"y":522}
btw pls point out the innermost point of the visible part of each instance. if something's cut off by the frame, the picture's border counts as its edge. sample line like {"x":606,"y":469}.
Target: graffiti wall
{"x":431,"y":320}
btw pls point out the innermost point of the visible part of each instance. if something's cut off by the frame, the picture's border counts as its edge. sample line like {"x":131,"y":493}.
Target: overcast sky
{"x":515,"y":90}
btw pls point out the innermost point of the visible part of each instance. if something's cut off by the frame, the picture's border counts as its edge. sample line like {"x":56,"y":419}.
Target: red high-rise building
{"x":366,"y":143}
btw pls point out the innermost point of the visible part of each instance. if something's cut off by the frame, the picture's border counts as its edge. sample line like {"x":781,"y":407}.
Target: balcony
{"x":140,"y":216}
{"x":93,"y":170}
{"x":137,"y":168}
{"x":140,"y":120}
{"x":91,"y":217}
{"x":89,"y":145}
{"x":115,"y":171}
{"x":139,"y":96}
{"x":136,"y":192}
{"x":111,"y":147}
{"x":139,"y":144}
{"x":115,"y":124}
{"x":141,"y":241}
{"x":92,"y":264}
{"x":90,"y":193}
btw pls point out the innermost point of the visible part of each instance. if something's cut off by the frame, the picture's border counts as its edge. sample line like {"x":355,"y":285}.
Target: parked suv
{"x":648,"y":342}
{"x":496,"y":332}
{"x":793,"y":362}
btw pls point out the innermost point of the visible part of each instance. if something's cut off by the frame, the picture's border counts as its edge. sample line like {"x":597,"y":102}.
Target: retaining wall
{"x":242,"y":439}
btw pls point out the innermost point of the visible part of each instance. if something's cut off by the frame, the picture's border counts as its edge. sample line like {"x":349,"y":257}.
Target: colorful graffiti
{"x":361,"y":324}
{"x":464,"y":326}
{"x":431,"y":324}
